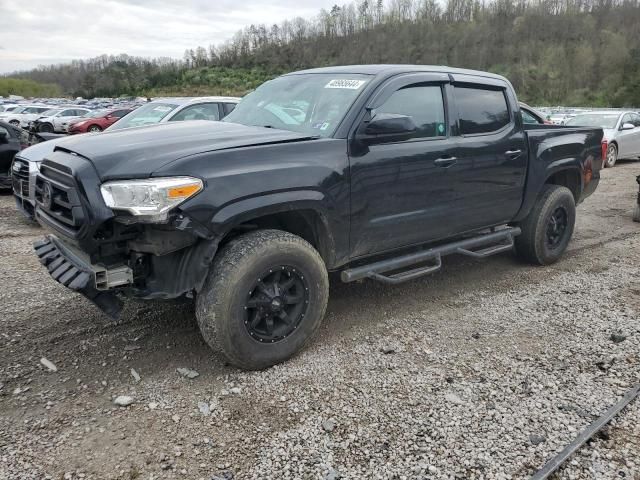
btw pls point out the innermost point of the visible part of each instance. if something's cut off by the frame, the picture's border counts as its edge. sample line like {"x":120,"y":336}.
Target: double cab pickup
{"x":376,"y":172}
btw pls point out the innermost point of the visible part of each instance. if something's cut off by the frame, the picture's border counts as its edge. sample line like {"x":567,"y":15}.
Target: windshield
{"x":312,"y":104}
{"x":148,"y":114}
{"x":595,"y":120}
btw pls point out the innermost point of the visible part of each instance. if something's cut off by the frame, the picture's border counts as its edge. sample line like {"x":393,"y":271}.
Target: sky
{"x":41,"y":32}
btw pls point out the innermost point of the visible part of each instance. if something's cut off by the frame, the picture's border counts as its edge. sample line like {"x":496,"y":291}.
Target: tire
{"x":94,"y":129}
{"x":239,"y":295}
{"x":46,"y":128}
{"x":15,"y":123}
{"x":612,"y":156}
{"x":547,"y":229}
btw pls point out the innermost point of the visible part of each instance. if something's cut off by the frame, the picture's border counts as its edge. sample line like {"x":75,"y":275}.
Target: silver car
{"x":621,"y":132}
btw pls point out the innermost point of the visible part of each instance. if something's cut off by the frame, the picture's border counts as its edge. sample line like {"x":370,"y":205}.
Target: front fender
{"x":332,"y":238}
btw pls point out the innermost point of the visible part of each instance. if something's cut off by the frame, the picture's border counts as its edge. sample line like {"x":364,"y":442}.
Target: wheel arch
{"x":304,"y":216}
{"x":567,"y":177}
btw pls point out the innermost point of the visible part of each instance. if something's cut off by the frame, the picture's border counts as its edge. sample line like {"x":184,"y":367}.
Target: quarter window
{"x":424,"y":104}
{"x":481,"y":110}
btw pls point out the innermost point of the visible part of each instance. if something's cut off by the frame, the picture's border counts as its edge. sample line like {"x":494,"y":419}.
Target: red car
{"x":97,"y":121}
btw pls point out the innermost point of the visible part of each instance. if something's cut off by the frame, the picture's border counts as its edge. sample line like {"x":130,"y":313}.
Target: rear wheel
{"x":547,"y":229}
{"x":264,"y":298}
{"x":612,"y":156}
{"x":94,"y":129}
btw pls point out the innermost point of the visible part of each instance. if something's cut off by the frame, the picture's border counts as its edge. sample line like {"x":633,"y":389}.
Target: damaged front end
{"x":106,"y":253}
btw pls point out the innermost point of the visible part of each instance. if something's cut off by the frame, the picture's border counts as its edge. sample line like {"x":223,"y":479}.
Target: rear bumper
{"x":71,"y":268}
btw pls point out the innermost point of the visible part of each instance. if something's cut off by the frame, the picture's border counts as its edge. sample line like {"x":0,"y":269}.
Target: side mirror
{"x":388,"y":127}
{"x":627,"y":126}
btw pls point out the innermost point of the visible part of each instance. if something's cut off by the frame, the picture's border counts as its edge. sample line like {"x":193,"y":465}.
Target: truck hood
{"x":138,"y":152}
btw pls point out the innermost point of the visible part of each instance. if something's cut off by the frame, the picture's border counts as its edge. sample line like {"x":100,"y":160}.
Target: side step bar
{"x":493,"y":243}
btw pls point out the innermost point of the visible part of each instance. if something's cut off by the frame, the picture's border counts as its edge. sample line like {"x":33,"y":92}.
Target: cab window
{"x":481,"y":110}
{"x":423,"y":103}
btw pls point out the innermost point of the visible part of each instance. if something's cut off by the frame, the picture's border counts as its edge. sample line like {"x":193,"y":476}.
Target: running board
{"x":493,"y":243}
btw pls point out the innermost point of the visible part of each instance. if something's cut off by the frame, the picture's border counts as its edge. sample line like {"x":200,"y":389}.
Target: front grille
{"x":58,"y":198}
{"x":20,"y":177}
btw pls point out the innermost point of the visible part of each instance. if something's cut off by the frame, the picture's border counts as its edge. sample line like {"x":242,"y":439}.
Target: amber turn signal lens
{"x":184,"y":191}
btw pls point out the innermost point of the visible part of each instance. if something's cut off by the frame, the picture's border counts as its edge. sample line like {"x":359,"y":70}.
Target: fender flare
{"x":532,"y":191}
{"x":250,"y":208}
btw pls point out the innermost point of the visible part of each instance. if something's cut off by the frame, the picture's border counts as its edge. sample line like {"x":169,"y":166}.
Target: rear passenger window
{"x":423,"y":103}
{"x":481,"y":110}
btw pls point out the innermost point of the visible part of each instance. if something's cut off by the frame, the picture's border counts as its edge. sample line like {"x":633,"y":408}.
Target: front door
{"x":400,"y":190}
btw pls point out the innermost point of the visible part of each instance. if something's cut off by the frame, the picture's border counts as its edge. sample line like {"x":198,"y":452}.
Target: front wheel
{"x":547,"y":229}
{"x":612,"y":156}
{"x":94,"y":129}
{"x":46,"y":128}
{"x":264,"y":298}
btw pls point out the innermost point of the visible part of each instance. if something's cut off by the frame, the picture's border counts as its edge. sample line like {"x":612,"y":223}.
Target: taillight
{"x":604,"y":144}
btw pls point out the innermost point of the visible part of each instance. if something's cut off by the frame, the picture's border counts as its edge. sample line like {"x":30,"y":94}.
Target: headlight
{"x":151,"y":198}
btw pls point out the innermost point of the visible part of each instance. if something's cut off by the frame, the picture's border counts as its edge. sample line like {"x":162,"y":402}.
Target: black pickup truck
{"x":372,"y":171}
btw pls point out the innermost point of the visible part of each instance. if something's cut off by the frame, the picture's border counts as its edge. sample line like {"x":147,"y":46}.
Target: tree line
{"x":569,"y":52}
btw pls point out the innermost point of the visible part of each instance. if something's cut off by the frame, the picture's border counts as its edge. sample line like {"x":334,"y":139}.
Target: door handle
{"x":513,"y":153}
{"x":445,"y":161}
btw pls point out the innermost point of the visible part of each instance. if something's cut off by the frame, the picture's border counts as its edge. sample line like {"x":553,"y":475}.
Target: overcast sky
{"x":35,"y":32}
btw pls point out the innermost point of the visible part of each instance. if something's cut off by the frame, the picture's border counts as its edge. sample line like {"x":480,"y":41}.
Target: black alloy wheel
{"x":557,"y":226}
{"x":276,"y":304}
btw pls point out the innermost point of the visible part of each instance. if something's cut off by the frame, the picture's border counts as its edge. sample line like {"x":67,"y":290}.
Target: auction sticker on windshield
{"x":345,"y":83}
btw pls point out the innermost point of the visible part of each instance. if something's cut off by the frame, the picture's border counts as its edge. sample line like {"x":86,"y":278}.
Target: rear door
{"x":491,"y":153}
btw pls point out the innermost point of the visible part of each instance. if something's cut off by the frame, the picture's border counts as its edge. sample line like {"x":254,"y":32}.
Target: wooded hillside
{"x":569,"y":52}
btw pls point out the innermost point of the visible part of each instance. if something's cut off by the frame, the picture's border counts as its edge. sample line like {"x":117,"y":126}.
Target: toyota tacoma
{"x":376,"y":172}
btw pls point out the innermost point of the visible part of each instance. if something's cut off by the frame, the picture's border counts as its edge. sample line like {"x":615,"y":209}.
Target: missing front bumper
{"x":70,"y":269}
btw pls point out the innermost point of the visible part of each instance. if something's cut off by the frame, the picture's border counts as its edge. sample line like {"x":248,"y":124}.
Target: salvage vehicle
{"x":621,"y":133}
{"x":94,"y":122}
{"x":57,"y":120}
{"x":178,"y":109}
{"x":376,"y":172}
{"x":12,"y":140}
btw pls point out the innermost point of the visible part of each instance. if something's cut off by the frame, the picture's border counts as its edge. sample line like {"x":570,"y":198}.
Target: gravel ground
{"x":484,"y":370}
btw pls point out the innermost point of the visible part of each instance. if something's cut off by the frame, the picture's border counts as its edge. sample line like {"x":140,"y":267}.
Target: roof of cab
{"x":390,"y":70}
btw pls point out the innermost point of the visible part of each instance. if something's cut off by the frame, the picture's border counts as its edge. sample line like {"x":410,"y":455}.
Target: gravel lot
{"x":484,"y":370}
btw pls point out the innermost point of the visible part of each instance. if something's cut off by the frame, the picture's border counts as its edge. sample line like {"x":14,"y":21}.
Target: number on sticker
{"x":345,"y":83}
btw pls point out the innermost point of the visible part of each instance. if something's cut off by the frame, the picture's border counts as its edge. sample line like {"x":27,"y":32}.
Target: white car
{"x":56,"y":120}
{"x":177,"y":109}
{"x":8,"y":107}
{"x":22,"y":116}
